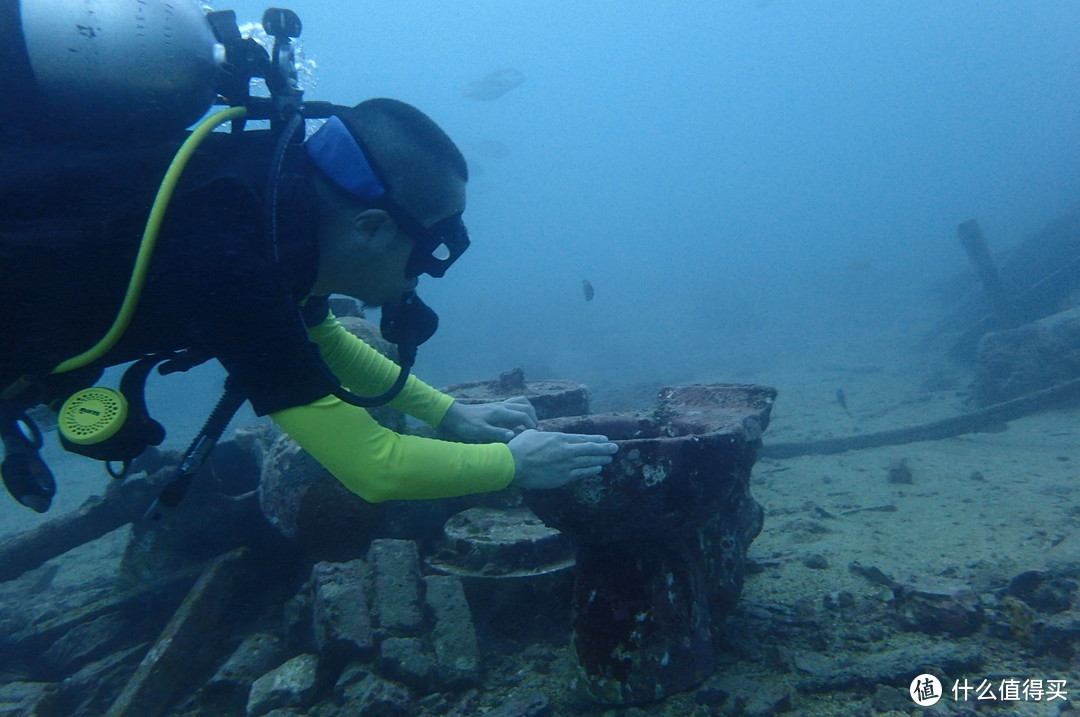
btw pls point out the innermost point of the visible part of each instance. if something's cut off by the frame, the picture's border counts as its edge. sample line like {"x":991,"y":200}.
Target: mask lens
{"x":438,"y":247}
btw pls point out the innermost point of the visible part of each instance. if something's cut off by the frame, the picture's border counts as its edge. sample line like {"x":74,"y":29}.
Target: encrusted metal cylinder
{"x":661,"y":538}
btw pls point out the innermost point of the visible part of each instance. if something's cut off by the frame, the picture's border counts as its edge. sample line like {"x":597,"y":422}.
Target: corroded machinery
{"x":661,"y":537}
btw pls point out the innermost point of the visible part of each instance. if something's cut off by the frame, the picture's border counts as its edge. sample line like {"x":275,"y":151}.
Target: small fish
{"x":841,"y":398}
{"x":491,"y":148}
{"x":494,"y":85}
{"x":587,"y":288}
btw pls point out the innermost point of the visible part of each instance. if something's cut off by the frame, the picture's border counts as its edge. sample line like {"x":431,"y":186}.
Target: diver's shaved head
{"x":423,"y":168}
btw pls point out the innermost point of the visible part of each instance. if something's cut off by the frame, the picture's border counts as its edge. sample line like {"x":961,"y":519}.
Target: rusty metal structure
{"x":660,"y":537}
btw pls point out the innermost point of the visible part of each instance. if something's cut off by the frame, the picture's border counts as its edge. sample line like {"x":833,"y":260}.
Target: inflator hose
{"x":149,"y":239}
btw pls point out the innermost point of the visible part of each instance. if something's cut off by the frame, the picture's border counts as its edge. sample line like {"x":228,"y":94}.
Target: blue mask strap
{"x":335,"y":151}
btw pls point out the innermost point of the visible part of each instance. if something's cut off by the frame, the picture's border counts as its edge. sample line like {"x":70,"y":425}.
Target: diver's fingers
{"x":586,"y":438}
{"x":519,"y":409}
{"x":522,"y":403}
{"x":579,"y":473}
{"x":591,"y":446}
{"x":591,"y":459}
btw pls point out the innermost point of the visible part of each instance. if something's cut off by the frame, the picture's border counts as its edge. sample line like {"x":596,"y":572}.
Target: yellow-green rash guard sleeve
{"x":364,"y":370}
{"x":378,"y":464}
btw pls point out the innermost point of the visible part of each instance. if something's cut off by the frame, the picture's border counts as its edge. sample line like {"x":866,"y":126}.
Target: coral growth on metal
{"x":661,"y":537}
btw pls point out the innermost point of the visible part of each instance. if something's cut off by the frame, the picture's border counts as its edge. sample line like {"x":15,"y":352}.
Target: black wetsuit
{"x":69,"y":231}
{"x":70,"y":224}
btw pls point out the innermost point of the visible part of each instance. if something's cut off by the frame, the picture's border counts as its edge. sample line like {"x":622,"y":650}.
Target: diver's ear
{"x":370,"y":222}
{"x":380,"y":231}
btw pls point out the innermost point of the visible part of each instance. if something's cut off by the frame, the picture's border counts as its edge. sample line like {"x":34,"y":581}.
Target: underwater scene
{"x":813,"y":266}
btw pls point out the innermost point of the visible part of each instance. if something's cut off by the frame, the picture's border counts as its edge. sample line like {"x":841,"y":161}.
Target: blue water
{"x":761,"y":191}
{"x":735,"y":179}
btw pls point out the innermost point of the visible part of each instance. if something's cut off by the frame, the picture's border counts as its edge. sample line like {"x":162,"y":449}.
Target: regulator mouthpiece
{"x":408,"y":323}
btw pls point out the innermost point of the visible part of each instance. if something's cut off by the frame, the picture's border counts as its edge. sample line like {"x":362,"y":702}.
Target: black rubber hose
{"x":177,"y":486}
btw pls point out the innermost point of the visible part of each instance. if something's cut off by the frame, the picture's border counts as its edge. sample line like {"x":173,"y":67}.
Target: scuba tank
{"x":106,"y":73}
{"x":106,"y":69}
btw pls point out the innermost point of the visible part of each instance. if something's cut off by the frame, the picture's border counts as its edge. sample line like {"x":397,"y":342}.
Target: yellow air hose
{"x":149,"y":239}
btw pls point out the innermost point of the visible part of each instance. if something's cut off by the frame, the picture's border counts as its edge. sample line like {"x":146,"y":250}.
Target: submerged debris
{"x":667,"y":524}
{"x":899,"y":472}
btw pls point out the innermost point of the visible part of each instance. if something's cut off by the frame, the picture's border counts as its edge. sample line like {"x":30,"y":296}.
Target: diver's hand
{"x":551,"y":460}
{"x":490,"y":422}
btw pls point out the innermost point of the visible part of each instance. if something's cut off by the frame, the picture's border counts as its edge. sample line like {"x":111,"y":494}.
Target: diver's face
{"x":381,"y":279}
{"x":363,"y":255}
{"x":394,"y":281}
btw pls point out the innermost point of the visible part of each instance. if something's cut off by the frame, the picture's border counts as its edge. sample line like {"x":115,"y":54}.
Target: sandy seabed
{"x":979,"y":510}
{"x":812,"y":635}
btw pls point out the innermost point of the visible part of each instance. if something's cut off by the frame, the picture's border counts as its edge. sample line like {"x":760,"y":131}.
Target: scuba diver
{"x":233,"y":258}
